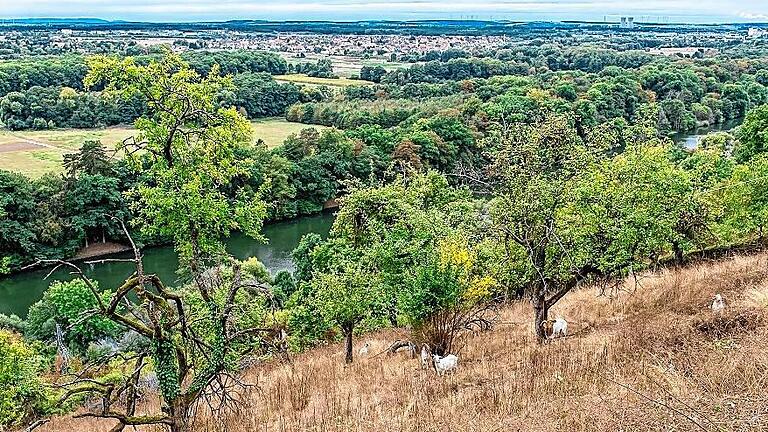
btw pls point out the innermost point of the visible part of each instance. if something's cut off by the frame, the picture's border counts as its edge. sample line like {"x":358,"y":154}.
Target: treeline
{"x":70,"y":71}
{"x":690,"y":94}
{"x":256,"y":94}
{"x":524,"y":60}
{"x":64,"y":107}
{"x":321,"y":69}
{"x":20,"y":75}
{"x":45,"y":94}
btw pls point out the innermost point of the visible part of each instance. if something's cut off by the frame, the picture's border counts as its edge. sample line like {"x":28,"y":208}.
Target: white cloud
{"x":754,"y":16}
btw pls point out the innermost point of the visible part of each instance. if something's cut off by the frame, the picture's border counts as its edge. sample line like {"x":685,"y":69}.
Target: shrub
{"x":446,"y":295}
{"x":22,"y":395}
{"x":68,"y":304}
{"x":11,"y":322}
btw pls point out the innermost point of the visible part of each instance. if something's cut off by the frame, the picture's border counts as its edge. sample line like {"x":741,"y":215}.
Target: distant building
{"x":627,"y":22}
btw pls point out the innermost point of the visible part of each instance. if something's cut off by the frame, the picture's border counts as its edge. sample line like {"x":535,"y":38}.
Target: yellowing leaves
{"x":456,"y":253}
{"x":480,"y":288}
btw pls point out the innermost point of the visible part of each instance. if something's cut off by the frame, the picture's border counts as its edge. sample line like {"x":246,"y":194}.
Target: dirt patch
{"x":18,"y":146}
{"x":100,"y":249}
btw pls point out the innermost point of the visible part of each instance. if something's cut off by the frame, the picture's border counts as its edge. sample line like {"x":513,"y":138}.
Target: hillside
{"x":648,"y":357}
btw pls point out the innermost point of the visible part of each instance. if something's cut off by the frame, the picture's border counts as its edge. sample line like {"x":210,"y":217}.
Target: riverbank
{"x":690,"y":140}
{"x":20,"y":290}
{"x":95,"y":250}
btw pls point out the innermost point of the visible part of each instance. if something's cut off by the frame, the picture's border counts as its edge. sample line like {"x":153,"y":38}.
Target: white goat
{"x":364,"y":350}
{"x":555,"y":328}
{"x":425,"y":356}
{"x":445,"y":364}
{"x":718,"y":304}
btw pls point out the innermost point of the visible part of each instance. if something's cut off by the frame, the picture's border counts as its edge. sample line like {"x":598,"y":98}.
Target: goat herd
{"x":555,"y":328}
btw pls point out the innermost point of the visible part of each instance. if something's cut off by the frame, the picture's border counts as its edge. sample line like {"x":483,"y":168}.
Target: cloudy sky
{"x":195,"y":10}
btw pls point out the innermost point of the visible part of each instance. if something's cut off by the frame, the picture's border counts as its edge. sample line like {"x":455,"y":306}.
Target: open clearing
{"x":35,"y":153}
{"x":313,"y":81}
{"x":274,"y":131}
{"x":346,"y":66}
{"x":647,"y":357}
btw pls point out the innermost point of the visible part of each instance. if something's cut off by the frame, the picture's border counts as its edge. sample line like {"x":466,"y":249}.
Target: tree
{"x":187,"y":146}
{"x":634,"y":208}
{"x":91,"y":159}
{"x":372,"y":73}
{"x":535,"y":170}
{"x":744,"y":197}
{"x":17,"y":208}
{"x":94,"y":203}
{"x":69,"y":305}
{"x":22,"y":393}
{"x":447,"y":291}
{"x":186,"y":150}
{"x":565,"y":212}
{"x":752,"y":135}
{"x":346,"y":297}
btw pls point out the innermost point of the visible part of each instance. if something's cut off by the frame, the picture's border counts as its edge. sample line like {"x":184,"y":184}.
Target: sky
{"x":693,"y":11}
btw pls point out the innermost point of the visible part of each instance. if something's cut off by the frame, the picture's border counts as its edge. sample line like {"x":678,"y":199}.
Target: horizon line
{"x":352,"y":21}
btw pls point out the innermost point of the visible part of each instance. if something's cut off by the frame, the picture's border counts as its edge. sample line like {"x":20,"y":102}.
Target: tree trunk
{"x":540,"y":306}
{"x":179,"y":425}
{"x":348,"y":336}
{"x":180,"y":415}
{"x":541,"y":312}
{"x":678,"y":253}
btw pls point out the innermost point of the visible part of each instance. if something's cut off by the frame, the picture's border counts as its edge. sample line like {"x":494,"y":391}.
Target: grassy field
{"x":35,"y":153}
{"x":275,"y":130}
{"x":313,"y":81}
{"x":347,"y":66}
{"x":647,"y":357}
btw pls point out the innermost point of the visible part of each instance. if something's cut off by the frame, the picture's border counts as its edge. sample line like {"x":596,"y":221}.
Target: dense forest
{"x":50,"y":93}
{"x":462,"y":182}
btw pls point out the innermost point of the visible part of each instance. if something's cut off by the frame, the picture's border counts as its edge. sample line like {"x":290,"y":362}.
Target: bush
{"x":446,"y":295}
{"x":22,"y":394}
{"x":66,"y":304}
{"x":11,"y":322}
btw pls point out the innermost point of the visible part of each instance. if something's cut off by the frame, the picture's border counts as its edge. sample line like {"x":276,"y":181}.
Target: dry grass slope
{"x":651,"y":358}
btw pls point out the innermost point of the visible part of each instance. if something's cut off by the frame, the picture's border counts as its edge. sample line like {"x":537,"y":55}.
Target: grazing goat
{"x":445,"y":364}
{"x":362,"y":352}
{"x":718,"y":304}
{"x":426,"y":356}
{"x":555,"y":328}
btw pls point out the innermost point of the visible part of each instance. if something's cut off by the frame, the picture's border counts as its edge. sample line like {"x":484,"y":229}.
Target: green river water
{"x":19,"y":291}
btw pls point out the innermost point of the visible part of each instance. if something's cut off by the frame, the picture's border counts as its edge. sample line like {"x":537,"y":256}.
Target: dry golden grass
{"x":315,"y":81}
{"x":651,"y":358}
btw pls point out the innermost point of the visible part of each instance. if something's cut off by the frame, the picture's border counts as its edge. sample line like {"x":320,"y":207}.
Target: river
{"x":690,"y":140}
{"x":19,"y":291}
